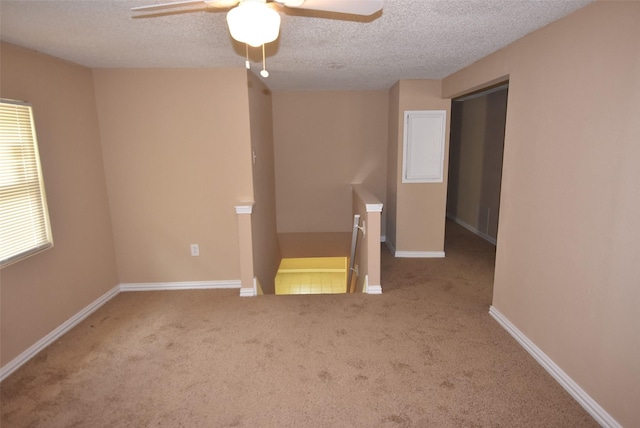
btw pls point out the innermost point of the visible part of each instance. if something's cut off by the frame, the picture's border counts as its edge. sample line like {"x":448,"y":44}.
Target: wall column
{"x":245,"y":241}
{"x":368,"y":258}
{"x":374,"y":212}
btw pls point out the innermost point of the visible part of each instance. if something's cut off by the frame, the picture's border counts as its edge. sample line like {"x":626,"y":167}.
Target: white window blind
{"x":24,"y":220}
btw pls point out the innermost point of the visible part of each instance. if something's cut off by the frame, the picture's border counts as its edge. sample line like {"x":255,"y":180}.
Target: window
{"x":24,"y":220}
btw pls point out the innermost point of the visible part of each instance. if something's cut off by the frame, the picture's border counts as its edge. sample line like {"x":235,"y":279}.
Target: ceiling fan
{"x":255,"y":23}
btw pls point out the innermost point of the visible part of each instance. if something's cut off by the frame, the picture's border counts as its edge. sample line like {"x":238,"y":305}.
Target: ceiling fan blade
{"x":165,"y":5}
{"x":208,"y":3}
{"x":353,"y":7}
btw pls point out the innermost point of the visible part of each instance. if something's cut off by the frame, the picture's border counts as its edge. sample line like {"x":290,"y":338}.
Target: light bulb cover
{"x":254,"y":23}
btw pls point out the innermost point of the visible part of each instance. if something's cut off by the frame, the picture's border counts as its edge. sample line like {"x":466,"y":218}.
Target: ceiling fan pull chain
{"x":247,"y":63}
{"x":264,"y":73}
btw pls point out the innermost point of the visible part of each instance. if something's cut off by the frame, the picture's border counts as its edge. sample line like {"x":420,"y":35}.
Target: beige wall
{"x":390,"y":208}
{"x":568,"y":265}
{"x":420,"y":208}
{"x":324,"y":141}
{"x":45,"y":290}
{"x":475,"y":161}
{"x":266,"y":252}
{"x":177,"y":156}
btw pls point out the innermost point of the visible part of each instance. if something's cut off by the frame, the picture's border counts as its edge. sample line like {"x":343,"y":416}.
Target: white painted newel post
{"x":245,"y":242}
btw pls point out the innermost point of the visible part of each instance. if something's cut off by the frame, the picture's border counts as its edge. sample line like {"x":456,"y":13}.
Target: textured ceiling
{"x":408,"y":39}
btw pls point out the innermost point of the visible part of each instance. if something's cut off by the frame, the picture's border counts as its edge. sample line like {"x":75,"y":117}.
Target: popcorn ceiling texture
{"x":408,"y":39}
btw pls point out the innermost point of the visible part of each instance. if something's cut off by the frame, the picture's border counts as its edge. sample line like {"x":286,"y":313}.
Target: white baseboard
{"x":250,"y":291}
{"x":420,"y":254}
{"x":588,"y":403}
{"x":371,"y":288}
{"x":374,"y":289}
{"x":414,"y":254}
{"x":33,"y":350}
{"x":472,"y":229}
{"x":191,"y":285}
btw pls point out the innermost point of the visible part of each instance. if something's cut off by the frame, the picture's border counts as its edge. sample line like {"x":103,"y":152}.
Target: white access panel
{"x":424,"y":137}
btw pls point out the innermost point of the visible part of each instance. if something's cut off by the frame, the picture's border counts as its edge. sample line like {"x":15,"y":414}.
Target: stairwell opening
{"x":312,"y":275}
{"x":313,"y":263}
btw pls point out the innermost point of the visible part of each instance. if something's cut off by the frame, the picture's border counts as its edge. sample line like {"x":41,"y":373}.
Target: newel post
{"x":245,"y":241}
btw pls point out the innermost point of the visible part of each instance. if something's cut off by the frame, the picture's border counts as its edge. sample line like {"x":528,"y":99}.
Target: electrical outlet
{"x":195,"y":250}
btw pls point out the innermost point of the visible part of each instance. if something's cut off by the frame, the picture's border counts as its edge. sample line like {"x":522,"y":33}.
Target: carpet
{"x":425,"y":353}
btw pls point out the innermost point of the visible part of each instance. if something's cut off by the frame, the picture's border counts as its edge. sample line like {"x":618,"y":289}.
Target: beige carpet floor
{"x":425,"y":353}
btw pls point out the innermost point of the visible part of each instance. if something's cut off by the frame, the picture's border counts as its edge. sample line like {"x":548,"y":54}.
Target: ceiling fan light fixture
{"x":254,"y":23}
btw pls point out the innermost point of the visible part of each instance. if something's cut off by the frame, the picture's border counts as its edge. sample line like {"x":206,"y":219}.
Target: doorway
{"x":475,"y":160}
